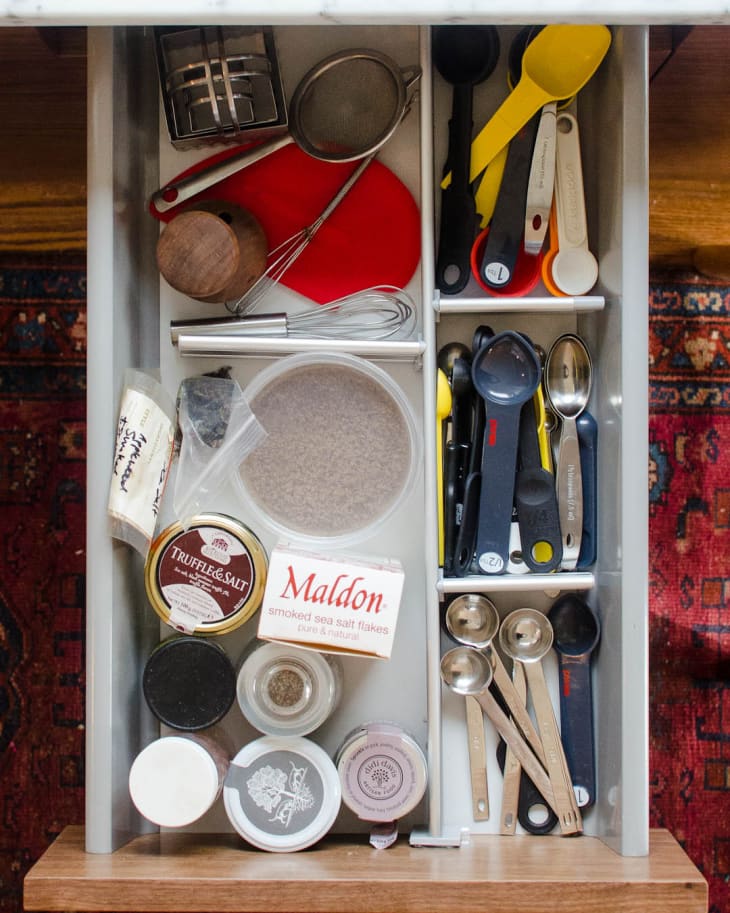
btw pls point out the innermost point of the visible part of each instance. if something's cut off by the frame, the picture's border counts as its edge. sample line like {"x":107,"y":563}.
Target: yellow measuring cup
{"x":556,"y":64}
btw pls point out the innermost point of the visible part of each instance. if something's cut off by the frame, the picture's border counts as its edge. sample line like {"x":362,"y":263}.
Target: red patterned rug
{"x":42,"y":561}
{"x":689,"y":498}
{"x":42,"y":454}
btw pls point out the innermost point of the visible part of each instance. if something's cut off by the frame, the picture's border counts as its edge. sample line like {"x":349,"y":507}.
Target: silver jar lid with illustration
{"x":282,"y":794}
{"x":383,"y":772}
{"x":285,"y":690}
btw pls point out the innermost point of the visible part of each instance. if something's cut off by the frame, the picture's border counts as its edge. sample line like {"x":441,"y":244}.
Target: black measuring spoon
{"x":464,"y":55}
{"x":576,"y":630}
{"x":506,"y":372}
{"x":506,"y":230}
{"x":536,"y":501}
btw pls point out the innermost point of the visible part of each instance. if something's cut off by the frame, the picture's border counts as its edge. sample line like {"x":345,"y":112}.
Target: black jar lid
{"x":189,"y":683}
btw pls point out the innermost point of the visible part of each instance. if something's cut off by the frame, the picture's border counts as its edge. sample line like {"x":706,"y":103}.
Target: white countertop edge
{"x":274,"y":12}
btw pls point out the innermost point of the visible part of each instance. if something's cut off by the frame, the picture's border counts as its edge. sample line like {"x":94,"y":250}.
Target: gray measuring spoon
{"x":526,"y":636}
{"x":568,"y":375}
{"x":468,"y":672}
{"x":472,"y":620}
{"x":506,"y":372}
{"x":577,"y":632}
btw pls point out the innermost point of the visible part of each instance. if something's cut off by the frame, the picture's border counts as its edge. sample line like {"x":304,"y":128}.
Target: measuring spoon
{"x":574,"y":269}
{"x":556,"y":64}
{"x":472,"y":620}
{"x":467,"y":671}
{"x":526,"y":636}
{"x":577,"y":632}
{"x":506,"y":373}
{"x":464,"y":56}
{"x":568,"y":375}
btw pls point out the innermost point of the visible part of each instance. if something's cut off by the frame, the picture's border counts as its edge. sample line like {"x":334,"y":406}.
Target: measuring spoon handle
{"x":507,"y":729}
{"x":477,"y":759}
{"x":569,"y":487}
{"x":458,"y":219}
{"x":576,"y":725}
{"x":587,"y":429}
{"x":499,"y":459}
{"x":568,"y":815}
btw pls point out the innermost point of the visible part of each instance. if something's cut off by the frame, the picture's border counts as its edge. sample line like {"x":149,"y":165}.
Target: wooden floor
{"x":43,"y":158}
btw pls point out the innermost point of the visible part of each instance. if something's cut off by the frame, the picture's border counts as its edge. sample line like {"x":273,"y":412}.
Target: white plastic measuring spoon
{"x":574,"y":269}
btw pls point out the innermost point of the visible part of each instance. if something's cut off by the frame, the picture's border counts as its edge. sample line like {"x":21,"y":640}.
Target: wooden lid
{"x":214,"y":252}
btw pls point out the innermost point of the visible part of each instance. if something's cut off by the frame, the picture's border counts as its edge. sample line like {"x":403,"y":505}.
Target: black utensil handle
{"x":536,"y":501}
{"x":533,"y":812}
{"x":587,"y":428}
{"x":455,"y":460}
{"x":458,"y":221}
{"x":508,"y":221}
{"x":467,"y":535}
{"x":576,"y":725}
{"x":538,"y":519}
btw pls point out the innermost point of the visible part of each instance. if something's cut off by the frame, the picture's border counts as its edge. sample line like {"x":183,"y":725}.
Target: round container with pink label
{"x":383,"y":772}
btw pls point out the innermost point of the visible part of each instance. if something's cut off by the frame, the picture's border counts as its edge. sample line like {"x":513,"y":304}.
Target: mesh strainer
{"x":344,"y":109}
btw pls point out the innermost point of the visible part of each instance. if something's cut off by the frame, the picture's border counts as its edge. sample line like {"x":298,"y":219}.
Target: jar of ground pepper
{"x":285,"y":690}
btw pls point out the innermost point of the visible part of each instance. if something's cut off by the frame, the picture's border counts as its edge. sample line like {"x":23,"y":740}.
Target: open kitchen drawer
{"x":451,"y":858}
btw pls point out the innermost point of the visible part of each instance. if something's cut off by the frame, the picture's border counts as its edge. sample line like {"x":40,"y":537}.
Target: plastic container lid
{"x":383,"y":772}
{"x":283,"y":690}
{"x":341,"y":452}
{"x":174,"y":781}
{"x":189,"y":683}
{"x":282,"y":794}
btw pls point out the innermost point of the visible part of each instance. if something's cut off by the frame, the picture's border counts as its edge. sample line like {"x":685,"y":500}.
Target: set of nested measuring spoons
{"x":526,"y":636}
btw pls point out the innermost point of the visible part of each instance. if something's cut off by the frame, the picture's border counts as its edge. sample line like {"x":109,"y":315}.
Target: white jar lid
{"x":383,"y":772}
{"x":284,"y":690}
{"x":282,"y":793}
{"x":174,"y":781}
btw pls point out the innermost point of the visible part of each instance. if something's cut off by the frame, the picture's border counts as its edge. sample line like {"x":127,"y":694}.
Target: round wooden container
{"x":214,"y":252}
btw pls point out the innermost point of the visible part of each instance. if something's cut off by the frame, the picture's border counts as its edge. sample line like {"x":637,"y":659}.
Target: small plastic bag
{"x":218,"y":431}
{"x":142,"y":455}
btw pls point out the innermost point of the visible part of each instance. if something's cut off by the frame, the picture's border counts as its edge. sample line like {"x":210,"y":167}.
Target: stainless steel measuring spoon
{"x":467,"y":671}
{"x":568,"y":378}
{"x":526,"y":636}
{"x":506,"y":372}
{"x":577,"y":632}
{"x":473,"y":621}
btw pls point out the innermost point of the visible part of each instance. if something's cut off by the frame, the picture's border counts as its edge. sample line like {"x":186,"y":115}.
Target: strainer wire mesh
{"x":349,"y":107}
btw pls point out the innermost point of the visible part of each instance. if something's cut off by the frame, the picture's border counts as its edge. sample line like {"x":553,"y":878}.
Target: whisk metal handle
{"x":252,"y":325}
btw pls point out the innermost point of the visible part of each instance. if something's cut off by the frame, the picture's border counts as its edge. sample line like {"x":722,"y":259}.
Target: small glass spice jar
{"x":189,"y":683}
{"x":285,"y":690}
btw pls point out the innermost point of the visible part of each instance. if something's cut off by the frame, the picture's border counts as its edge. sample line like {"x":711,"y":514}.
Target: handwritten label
{"x":142,"y":454}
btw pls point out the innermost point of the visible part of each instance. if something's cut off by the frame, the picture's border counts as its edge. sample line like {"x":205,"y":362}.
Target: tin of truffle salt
{"x":189,"y":683}
{"x":284,"y":690}
{"x":282,"y":794}
{"x":206,"y":576}
{"x":383,"y":772}
{"x":176,"y":779}
{"x":341,"y":451}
